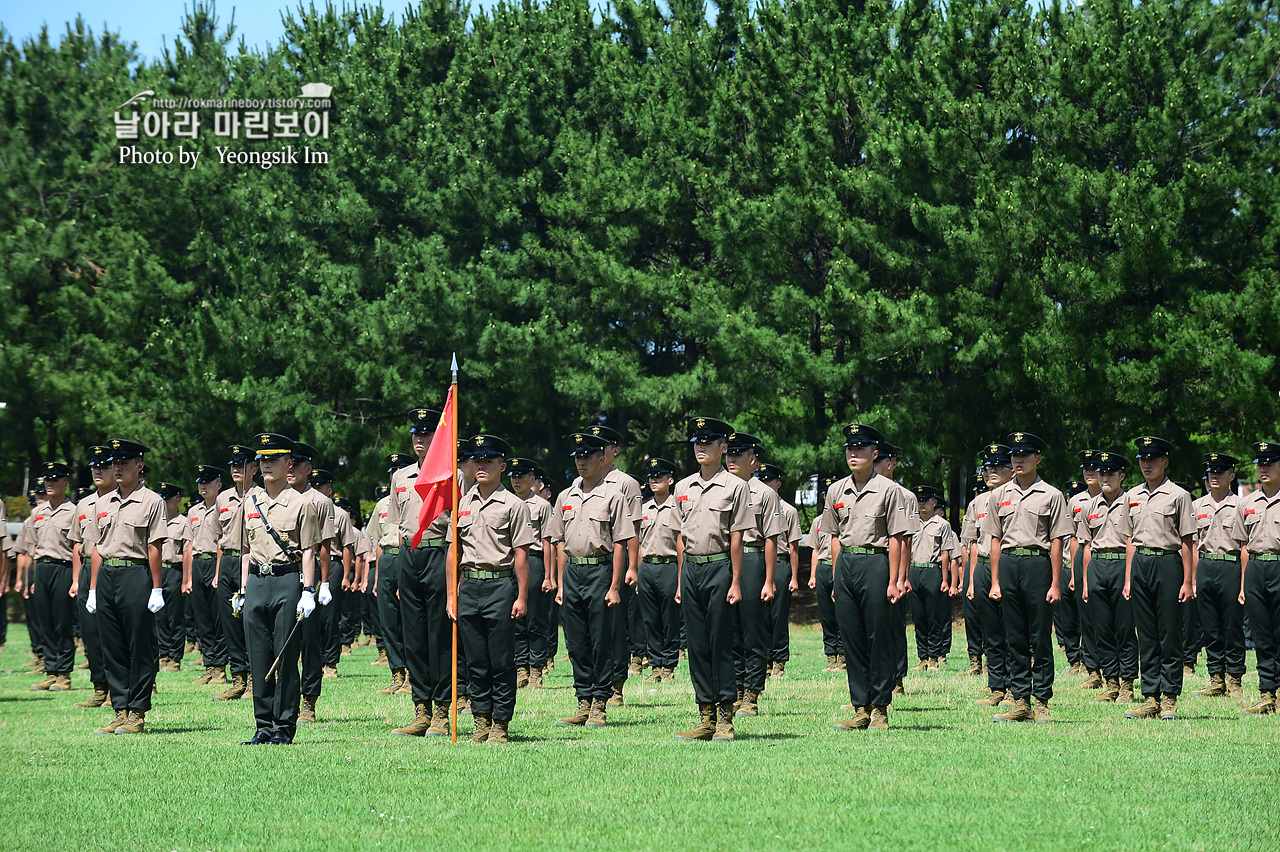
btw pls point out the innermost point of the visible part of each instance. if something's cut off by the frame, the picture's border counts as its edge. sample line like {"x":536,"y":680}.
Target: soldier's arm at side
{"x":521,"y":568}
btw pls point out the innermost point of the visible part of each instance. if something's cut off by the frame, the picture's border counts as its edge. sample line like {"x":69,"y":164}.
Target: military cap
{"x":1266,"y":452}
{"x":34,"y":493}
{"x":1218,"y":462}
{"x":518,"y":466}
{"x":207,"y":473}
{"x":423,"y":420}
{"x":610,"y":436}
{"x":465,"y":449}
{"x":769,"y":472}
{"x":1088,"y":458}
{"x":122,"y":450}
{"x":925,"y":492}
{"x":1184,"y":484}
{"x":885,"y":450}
{"x":168,"y":489}
{"x":342,"y":503}
{"x":240,"y":454}
{"x":825,"y":483}
{"x":1109,"y":462}
{"x":305,"y":452}
{"x":382,"y":491}
{"x":995,"y":455}
{"x":659,"y":467}
{"x":539,"y":473}
{"x":584,"y":444}
{"x":488,"y":447}
{"x":861,"y":435}
{"x":1073,"y":487}
{"x":269,"y":444}
{"x":1151,"y":447}
{"x":99,"y":456}
{"x":395,"y":461}
{"x":707,"y":429}
{"x":320,"y":476}
{"x":942,"y":503}
{"x":741,"y":442}
{"x":1025,"y":442}
{"x":54,"y":470}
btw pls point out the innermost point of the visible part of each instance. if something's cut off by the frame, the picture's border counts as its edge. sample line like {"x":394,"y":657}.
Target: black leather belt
{"x":49,"y":560}
{"x":274,"y":569}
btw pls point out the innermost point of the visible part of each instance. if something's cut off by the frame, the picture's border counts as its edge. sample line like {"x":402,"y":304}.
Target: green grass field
{"x":944,"y":776}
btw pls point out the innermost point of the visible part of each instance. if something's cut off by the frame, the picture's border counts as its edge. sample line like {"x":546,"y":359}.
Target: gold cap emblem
{"x":577,"y":439}
{"x":653,"y":462}
{"x":1213,"y":456}
{"x":115,"y":445}
{"x":855,"y":429}
{"x":1146,"y":442}
{"x":700,"y":422}
{"x":422,"y":414}
{"x":266,"y":439}
{"x":1105,"y":457}
{"x":1262,"y":447}
{"x":994,"y":448}
{"x":1017,"y":436}
{"x":479,"y":440}
{"x":595,"y":430}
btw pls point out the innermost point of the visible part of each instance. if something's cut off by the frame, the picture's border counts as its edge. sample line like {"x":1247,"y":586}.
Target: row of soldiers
{"x":705,"y":561}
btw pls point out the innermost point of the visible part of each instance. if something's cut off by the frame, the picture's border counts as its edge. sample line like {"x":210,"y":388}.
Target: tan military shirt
{"x":229,"y":517}
{"x":406,"y":502}
{"x":1261,"y":521}
{"x":326,"y":517}
{"x":912,"y":504}
{"x":364,"y":544}
{"x":381,"y":530}
{"x":710,"y":510}
{"x":1106,"y":526}
{"x":820,"y":540}
{"x":630,"y":489}
{"x":866,"y":518}
{"x":540,"y":513}
{"x":791,"y":532}
{"x":86,"y":514}
{"x":1076,"y":507}
{"x":490,"y":530}
{"x":590,"y":522}
{"x":659,"y":529}
{"x":1219,"y":526}
{"x":126,"y":525}
{"x":969,"y":523}
{"x":1026,"y":517}
{"x":26,"y":536}
{"x":767,"y":509}
{"x":344,"y":535}
{"x":177,"y":534}
{"x":233,"y":535}
{"x":51,"y":530}
{"x":935,"y":537}
{"x":292,"y":515}
{"x":205,"y":529}
{"x":1160,"y":517}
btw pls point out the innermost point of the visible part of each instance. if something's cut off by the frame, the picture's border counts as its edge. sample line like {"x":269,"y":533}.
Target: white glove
{"x":91,"y":603}
{"x":156,"y":602}
{"x":237,"y":603}
{"x":306,"y":604}
{"x":325,"y":597}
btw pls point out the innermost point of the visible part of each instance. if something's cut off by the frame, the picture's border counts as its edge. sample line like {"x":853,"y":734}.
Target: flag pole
{"x":453,"y":548}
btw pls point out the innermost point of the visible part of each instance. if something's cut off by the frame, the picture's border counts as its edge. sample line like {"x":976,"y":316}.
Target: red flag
{"x":439,"y":468}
